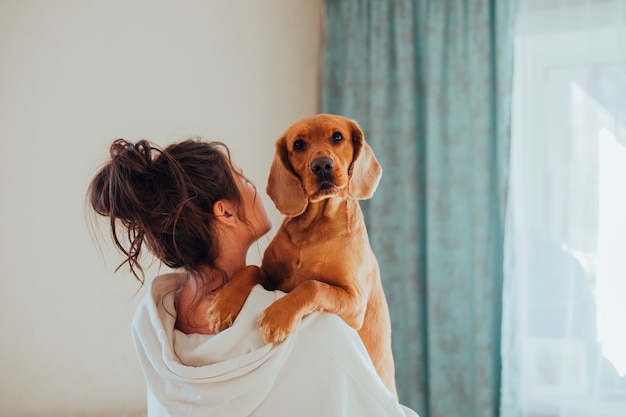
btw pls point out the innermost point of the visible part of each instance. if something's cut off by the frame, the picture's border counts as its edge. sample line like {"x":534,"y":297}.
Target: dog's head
{"x":318,"y":157}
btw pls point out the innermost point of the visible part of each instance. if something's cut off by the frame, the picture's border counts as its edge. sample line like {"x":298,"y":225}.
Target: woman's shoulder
{"x":170,"y":279}
{"x":328,"y":324}
{"x":167,"y":283}
{"x":170,"y":276}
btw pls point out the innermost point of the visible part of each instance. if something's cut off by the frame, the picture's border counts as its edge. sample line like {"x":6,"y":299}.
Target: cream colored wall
{"x":73,"y":76}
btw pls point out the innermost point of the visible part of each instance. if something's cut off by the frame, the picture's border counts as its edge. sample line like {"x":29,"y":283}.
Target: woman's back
{"x":322,"y":369}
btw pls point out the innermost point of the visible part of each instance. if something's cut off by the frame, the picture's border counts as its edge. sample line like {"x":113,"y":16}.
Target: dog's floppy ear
{"x":365,"y":171}
{"x":283,"y":186}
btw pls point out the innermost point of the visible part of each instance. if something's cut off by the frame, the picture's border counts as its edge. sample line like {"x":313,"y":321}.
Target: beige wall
{"x":73,"y":76}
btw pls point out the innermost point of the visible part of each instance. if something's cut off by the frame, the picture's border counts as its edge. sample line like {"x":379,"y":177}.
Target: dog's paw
{"x":221,"y":315}
{"x":275,"y":324}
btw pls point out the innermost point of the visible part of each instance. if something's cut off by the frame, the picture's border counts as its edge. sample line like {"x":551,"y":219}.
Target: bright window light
{"x":611,"y":257}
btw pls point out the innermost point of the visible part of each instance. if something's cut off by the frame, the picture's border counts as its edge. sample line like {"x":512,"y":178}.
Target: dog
{"x":320,"y":256}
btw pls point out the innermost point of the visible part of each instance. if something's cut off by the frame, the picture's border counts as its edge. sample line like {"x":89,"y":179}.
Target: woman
{"x":193,"y":208}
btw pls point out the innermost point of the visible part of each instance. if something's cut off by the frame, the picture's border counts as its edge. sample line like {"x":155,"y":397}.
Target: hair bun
{"x":131,"y":158}
{"x":125,"y":178}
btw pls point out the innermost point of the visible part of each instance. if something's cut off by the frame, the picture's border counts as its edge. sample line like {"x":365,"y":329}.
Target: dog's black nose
{"x":322,"y":166}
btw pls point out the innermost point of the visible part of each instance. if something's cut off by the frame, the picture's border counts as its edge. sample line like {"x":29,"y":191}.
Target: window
{"x":566,"y":242}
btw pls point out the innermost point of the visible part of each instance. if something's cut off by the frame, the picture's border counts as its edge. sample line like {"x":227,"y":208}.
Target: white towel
{"x":322,"y":369}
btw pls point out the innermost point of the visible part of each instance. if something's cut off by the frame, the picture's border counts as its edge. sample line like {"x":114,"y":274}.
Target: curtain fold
{"x":430,"y":84}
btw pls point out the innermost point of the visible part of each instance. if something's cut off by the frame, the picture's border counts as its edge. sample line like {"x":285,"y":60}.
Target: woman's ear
{"x":224,"y":211}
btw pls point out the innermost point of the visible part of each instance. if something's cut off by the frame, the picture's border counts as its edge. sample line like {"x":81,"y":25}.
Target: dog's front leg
{"x":282,"y":316}
{"x":228,"y":302}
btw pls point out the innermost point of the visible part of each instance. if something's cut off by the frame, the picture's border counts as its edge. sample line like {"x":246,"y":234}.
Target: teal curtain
{"x":430,"y":84}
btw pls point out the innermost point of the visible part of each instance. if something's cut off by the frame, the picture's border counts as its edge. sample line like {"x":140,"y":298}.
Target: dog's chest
{"x":293,"y":258}
{"x":305,"y":253}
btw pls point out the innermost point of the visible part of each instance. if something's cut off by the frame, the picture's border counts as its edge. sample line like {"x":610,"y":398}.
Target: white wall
{"x":74,"y":75}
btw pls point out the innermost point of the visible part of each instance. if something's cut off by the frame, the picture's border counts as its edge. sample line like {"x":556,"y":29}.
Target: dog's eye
{"x":337,"y":137}
{"x":299,"y":145}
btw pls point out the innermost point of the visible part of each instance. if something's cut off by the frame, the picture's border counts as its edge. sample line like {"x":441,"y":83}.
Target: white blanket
{"x":322,"y":369}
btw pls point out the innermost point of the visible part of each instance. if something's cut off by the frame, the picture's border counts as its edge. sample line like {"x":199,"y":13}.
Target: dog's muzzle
{"x":322,"y":167}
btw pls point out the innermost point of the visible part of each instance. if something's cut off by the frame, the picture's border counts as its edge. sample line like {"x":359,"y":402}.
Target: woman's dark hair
{"x":164,"y":199}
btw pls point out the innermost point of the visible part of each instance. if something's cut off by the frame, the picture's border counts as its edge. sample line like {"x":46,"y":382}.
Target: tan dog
{"x":321,"y":254}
